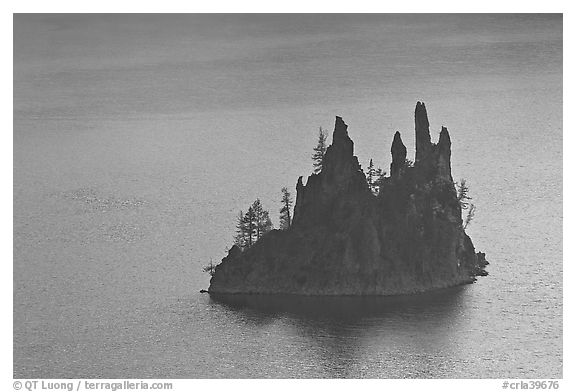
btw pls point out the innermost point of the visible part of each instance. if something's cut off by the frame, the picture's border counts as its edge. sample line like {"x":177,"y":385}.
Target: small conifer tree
{"x":210,"y":268}
{"x":285,"y":218}
{"x":250,"y":227}
{"x":370,"y":175}
{"x":319,"y":150}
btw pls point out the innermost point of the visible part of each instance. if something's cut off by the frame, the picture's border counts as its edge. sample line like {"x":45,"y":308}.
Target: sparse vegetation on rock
{"x":319,"y":150}
{"x":347,"y":239}
{"x":285,"y":215}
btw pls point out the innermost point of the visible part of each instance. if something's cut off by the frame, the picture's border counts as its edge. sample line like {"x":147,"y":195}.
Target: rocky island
{"x":344,"y":240}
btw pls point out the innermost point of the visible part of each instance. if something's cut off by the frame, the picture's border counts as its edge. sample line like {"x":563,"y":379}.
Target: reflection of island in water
{"x":344,"y":308}
{"x":357,"y":336}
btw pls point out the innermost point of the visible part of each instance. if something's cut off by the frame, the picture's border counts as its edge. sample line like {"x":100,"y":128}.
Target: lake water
{"x":137,"y":139}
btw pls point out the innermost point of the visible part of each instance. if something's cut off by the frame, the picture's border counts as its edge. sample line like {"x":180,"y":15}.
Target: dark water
{"x":138,"y":138}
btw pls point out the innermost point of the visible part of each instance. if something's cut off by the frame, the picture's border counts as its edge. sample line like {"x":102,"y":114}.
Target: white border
{"x":293,"y":6}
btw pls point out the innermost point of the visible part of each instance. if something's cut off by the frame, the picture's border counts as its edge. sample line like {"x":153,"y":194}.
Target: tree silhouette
{"x":371,"y":173}
{"x":319,"y":150}
{"x":210,"y":268}
{"x":262,"y":222}
{"x":464,"y":200}
{"x":285,"y":219}
{"x":470,"y":215}
{"x":242,"y":239}
{"x":378,"y":180}
{"x":374,"y":178}
{"x":462,"y":192}
{"x":250,"y":227}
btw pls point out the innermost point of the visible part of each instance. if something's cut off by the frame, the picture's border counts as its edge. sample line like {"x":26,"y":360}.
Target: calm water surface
{"x":138,"y":138}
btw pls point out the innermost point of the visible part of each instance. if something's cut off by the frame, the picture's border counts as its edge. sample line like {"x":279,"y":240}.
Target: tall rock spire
{"x":444,"y":142}
{"x":300,"y":188}
{"x":339,"y":157}
{"x":340,"y":138}
{"x":443,"y":161}
{"x":422,"y":127}
{"x":398,"y":151}
{"x":341,"y":173}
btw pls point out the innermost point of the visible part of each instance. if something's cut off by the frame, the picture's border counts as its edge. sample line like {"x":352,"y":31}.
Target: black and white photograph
{"x":287,"y":196}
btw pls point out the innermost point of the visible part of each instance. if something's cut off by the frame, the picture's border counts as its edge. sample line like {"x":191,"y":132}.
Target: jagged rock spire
{"x":340,"y":173}
{"x":298,"y":205}
{"x":398,"y":151}
{"x":444,"y":142}
{"x":339,"y":157}
{"x":340,"y":138}
{"x":443,"y":152}
{"x":422,"y":127}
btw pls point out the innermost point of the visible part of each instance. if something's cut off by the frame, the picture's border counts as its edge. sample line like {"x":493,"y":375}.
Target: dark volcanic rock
{"x":398,"y":151}
{"x":422,"y":127}
{"x":346,"y":241}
